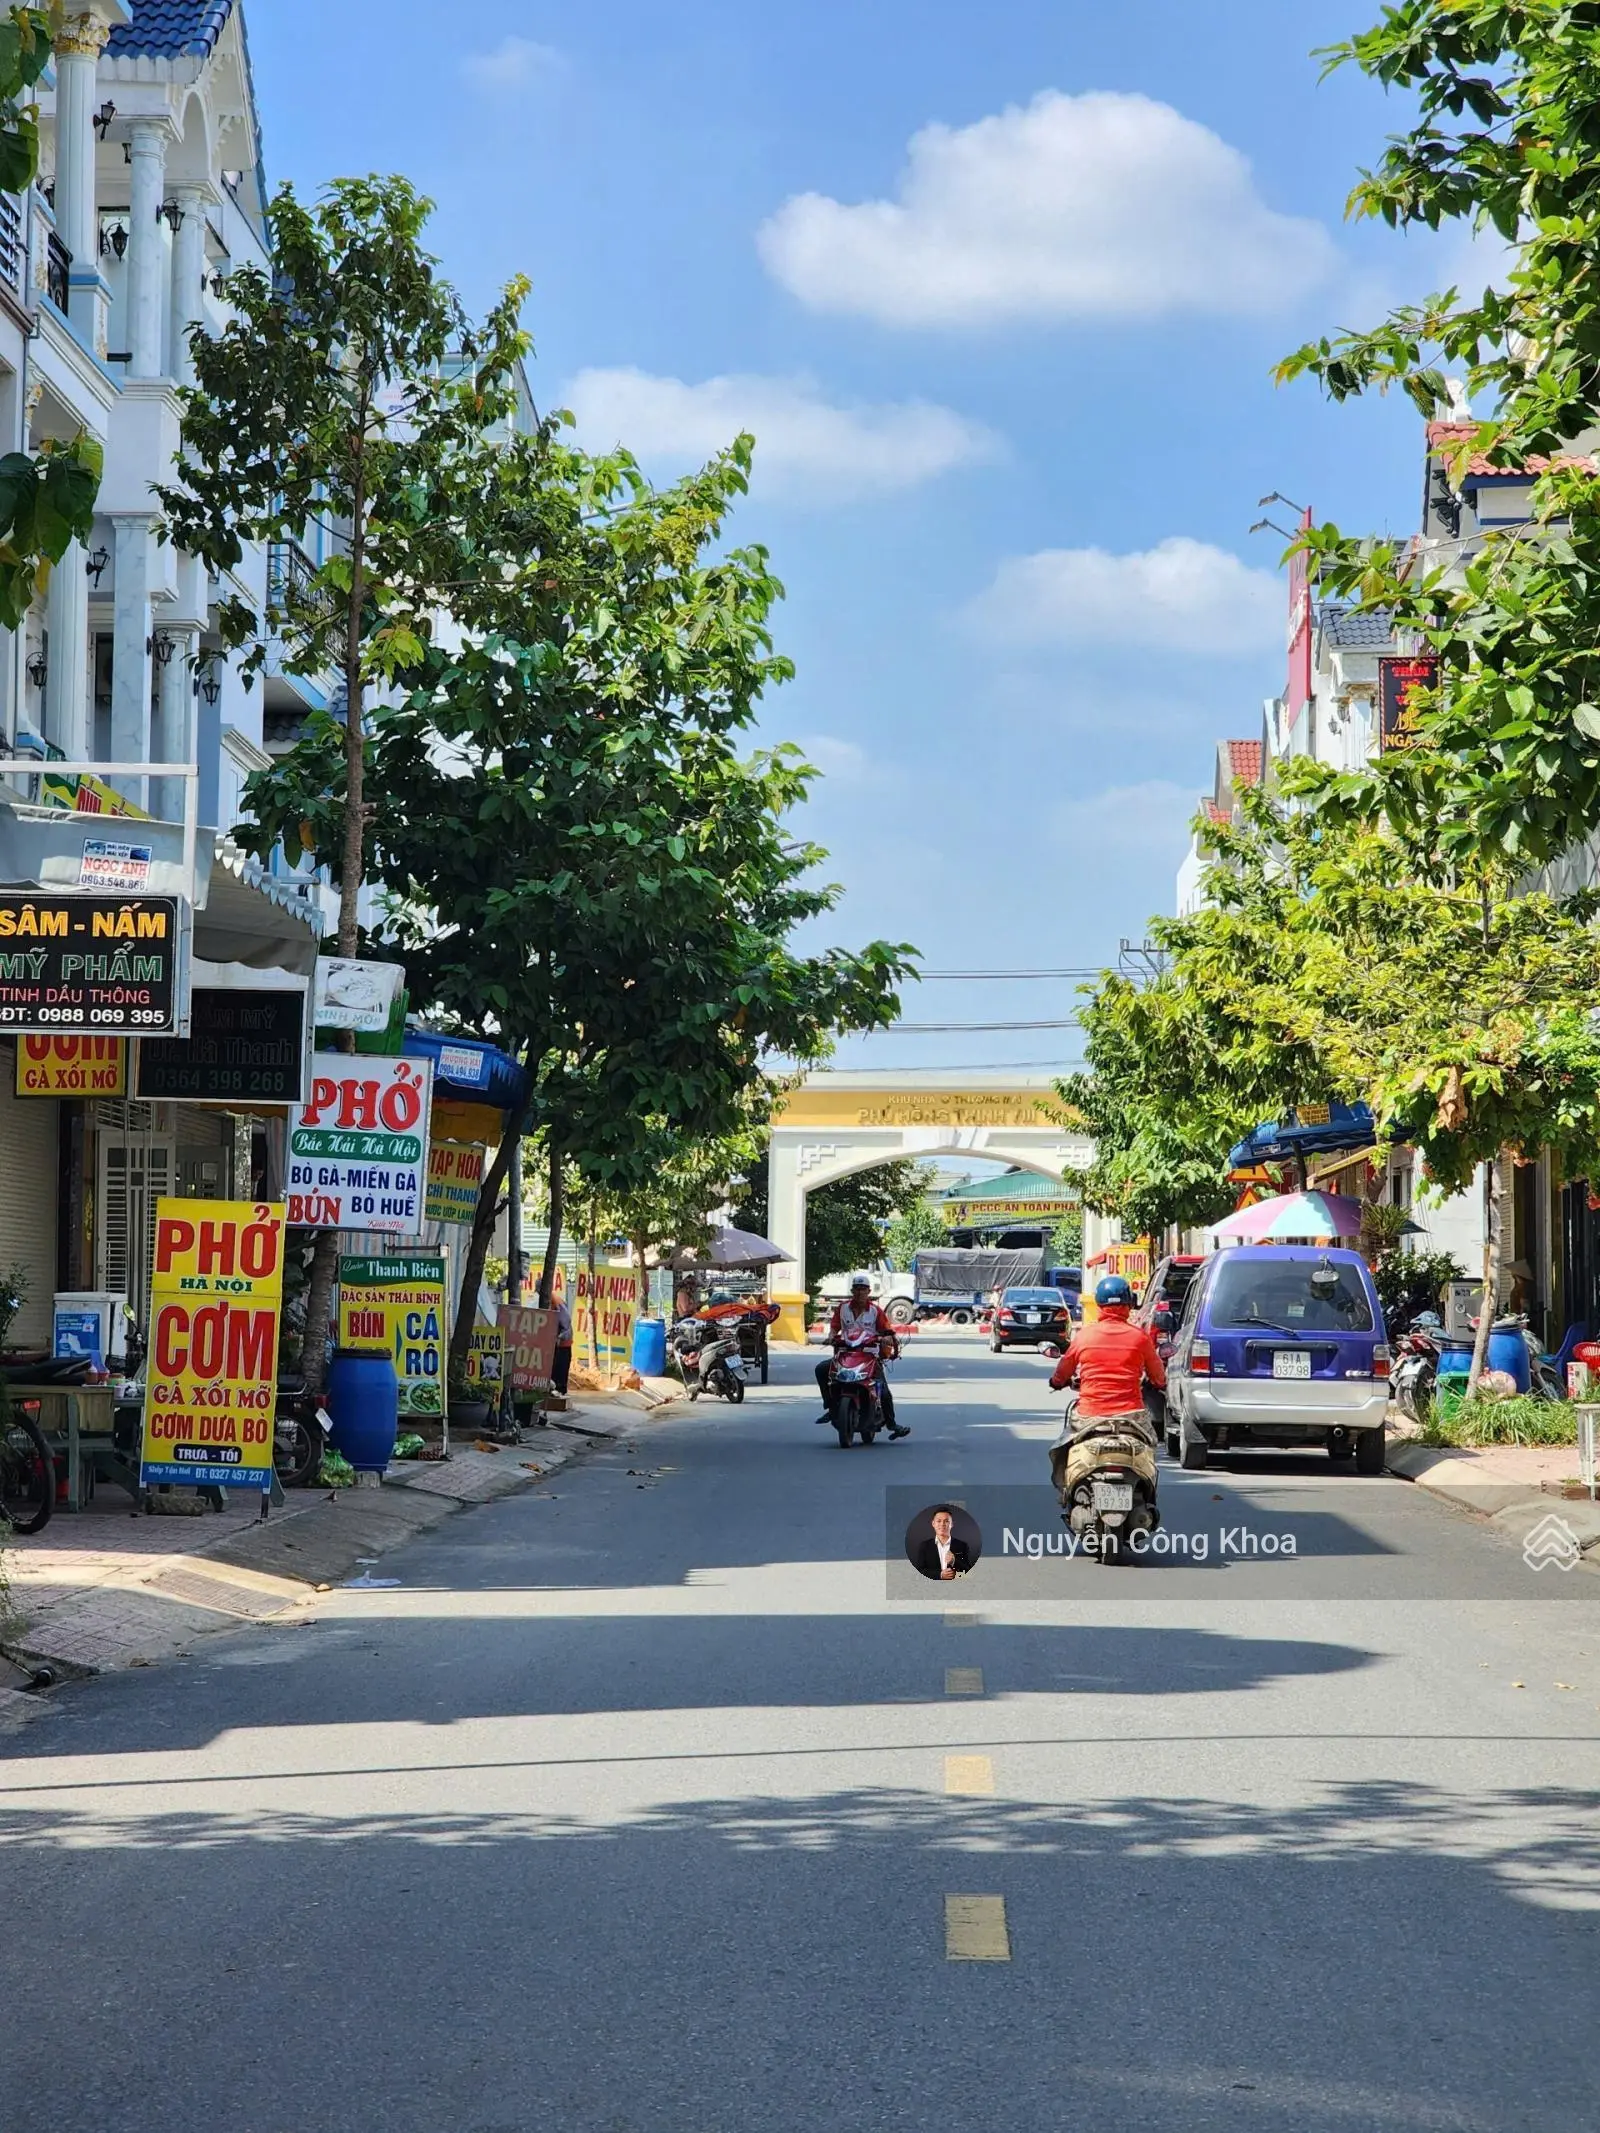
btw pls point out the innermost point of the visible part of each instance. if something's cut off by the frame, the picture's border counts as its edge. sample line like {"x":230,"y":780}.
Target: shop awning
{"x":1329,"y":1129}
{"x":465,"y":1067}
{"x":251,"y":918}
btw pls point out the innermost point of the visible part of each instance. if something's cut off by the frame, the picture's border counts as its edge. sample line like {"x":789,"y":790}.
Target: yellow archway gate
{"x":835,"y":1124}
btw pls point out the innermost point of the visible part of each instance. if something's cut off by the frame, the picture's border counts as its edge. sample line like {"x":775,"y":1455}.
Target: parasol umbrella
{"x":1295,"y":1218}
{"x":736,"y":1251}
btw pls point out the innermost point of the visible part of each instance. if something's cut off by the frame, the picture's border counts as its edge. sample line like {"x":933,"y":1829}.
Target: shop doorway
{"x":132,"y":1175}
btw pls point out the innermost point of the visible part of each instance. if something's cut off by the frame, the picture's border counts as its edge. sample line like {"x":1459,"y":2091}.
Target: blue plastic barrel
{"x":1455,"y":1357}
{"x":1509,"y":1352}
{"x":650,"y":1347}
{"x":364,"y":1401}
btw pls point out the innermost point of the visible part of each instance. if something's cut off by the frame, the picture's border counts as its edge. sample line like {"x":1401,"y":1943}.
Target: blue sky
{"x":1000,"y":291}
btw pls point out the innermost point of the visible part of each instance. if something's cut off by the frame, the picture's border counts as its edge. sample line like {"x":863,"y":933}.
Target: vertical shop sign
{"x":530,"y":1336}
{"x":216,"y":1291}
{"x":1402,"y":684}
{"x":399,"y":1305}
{"x":358,"y":1151}
{"x":455,"y":1172}
{"x":602,"y":1324}
{"x":486,"y":1356}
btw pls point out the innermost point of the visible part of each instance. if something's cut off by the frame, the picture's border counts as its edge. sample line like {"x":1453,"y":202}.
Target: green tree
{"x":347,"y":390}
{"x":920,"y":1228}
{"x":583,"y":866}
{"x":47,"y":502}
{"x":1507,"y":109}
{"x":1066,"y":1240}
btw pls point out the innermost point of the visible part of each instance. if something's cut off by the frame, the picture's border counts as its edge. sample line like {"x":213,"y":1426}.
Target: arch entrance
{"x":833,"y":1125}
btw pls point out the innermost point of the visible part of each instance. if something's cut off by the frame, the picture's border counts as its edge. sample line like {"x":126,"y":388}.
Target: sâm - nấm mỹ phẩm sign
{"x":216,"y":1292}
{"x":358,"y":1150}
{"x":87,"y":964}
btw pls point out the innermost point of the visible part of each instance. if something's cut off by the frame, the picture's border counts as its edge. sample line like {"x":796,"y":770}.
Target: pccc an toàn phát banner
{"x":358,"y":1151}
{"x":216,"y":1290}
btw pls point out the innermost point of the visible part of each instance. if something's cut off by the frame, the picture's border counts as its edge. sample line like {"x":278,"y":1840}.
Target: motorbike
{"x":300,"y":1427}
{"x":858,"y":1392}
{"x":1416,"y":1366}
{"x":709,"y":1359}
{"x":1105,"y":1476}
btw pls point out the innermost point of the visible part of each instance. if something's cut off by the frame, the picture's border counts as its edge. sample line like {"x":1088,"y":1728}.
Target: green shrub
{"x":1518,"y":1419}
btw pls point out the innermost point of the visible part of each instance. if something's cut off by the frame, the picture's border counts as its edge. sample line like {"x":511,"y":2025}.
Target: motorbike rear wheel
{"x":297,"y":1452}
{"x":1110,"y":1549}
{"x":27,"y":1476}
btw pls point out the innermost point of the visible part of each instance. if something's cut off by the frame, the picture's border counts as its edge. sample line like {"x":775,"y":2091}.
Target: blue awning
{"x":1280,"y":1141}
{"x":463,"y":1066}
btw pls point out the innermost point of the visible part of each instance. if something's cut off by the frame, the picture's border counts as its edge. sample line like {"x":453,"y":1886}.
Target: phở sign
{"x":358,"y":1151}
{"x":216,"y":1288}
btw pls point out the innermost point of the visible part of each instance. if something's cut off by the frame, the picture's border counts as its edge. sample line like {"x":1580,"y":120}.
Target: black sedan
{"x":1027,"y":1318}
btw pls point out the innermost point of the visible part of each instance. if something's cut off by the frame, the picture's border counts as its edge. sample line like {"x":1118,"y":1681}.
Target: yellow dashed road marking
{"x":963,"y":1680}
{"x":975,"y":1930}
{"x":972,"y":1774}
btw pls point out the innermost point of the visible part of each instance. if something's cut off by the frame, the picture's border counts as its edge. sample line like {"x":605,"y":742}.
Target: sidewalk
{"x":112,"y":1586}
{"x":1514,"y":1486}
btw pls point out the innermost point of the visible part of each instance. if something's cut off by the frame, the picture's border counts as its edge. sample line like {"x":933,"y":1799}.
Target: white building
{"x":150,"y":193}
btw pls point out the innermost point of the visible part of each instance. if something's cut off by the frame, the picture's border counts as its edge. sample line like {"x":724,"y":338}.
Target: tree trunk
{"x":483,"y":1221}
{"x":1491,"y":1269}
{"x":552,"y":1249}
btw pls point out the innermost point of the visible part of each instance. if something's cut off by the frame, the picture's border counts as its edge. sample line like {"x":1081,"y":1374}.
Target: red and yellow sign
{"x":606,"y":1305}
{"x":72,"y":1066}
{"x":530,"y":1336}
{"x":216,"y":1291}
{"x":1131,"y":1261}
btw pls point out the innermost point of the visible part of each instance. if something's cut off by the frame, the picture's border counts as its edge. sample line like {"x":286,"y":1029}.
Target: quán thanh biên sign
{"x":94,"y":964}
{"x":216,"y":1290}
{"x":398,"y":1305}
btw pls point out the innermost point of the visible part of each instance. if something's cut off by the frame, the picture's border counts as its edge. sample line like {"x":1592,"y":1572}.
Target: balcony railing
{"x":13,"y":243}
{"x":289,"y":574}
{"x":58,"y":273}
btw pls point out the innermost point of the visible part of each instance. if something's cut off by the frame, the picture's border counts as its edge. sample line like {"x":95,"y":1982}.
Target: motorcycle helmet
{"x":1112,"y":1290}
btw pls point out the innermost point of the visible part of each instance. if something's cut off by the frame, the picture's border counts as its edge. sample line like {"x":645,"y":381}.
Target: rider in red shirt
{"x":860,"y":1315}
{"x":1111,"y":1359}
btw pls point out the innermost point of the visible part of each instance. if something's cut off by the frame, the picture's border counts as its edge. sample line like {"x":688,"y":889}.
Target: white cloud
{"x":513,"y":64}
{"x":832,"y":756}
{"x":1093,"y":206}
{"x":1182,"y":594}
{"x":805,"y":445}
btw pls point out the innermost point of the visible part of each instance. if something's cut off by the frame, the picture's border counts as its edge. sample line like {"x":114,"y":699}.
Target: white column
{"x":188,"y":277}
{"x":66,"y":688}
{"x":130,"y":645}
{"x":175,"y":684}
{"x":147,"y":141}
{"x":786,"y":1227}
{"x":78,"y":46}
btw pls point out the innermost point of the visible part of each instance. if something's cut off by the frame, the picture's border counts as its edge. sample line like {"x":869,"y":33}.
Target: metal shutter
{"x":30,"y":1173}
{"x":135,"y":1170}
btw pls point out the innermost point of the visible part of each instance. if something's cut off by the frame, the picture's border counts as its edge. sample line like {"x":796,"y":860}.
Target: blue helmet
{"x":1113,"y":1290}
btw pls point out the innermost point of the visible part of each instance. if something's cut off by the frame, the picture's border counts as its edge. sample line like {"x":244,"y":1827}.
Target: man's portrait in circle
{"x":943,"y":1543}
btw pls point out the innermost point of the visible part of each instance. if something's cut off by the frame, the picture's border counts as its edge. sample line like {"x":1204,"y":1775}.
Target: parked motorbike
{"x":857,"y":1404}
{"x":1416,"y":1365}
{"x":709,"y":1359}
{"x":1105,"y":1476}
{"x":300,"y":1429}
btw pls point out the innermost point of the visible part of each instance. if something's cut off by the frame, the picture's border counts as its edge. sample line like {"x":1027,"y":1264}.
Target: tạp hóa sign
{"x":398,"y":1305}
{"x":72,"y":1066}
{"x":455,"y":1173}
{"x":216,"y":1291}
{"x":89,"y":963}
{"x":242,"y":1048}
{"x":358,"y":1149}
{"x":530,"y":1335}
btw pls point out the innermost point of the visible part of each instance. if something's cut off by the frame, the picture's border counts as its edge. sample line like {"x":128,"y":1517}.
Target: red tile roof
{"x":1444,"y":437}
{"x":1244,"y":761}
{"x":1214,"y":813}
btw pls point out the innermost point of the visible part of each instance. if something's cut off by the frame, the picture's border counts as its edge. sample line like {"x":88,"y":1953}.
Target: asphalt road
{"x":640,"y":1803}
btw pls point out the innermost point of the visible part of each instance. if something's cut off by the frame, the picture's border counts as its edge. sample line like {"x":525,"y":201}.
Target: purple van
{"x":1280,"y":1344}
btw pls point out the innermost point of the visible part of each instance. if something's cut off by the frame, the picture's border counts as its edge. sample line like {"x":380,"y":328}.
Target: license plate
{"x":1029,"y":1318}
{"x":1291,"y":1363}
{"x":1113,"y":1495}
